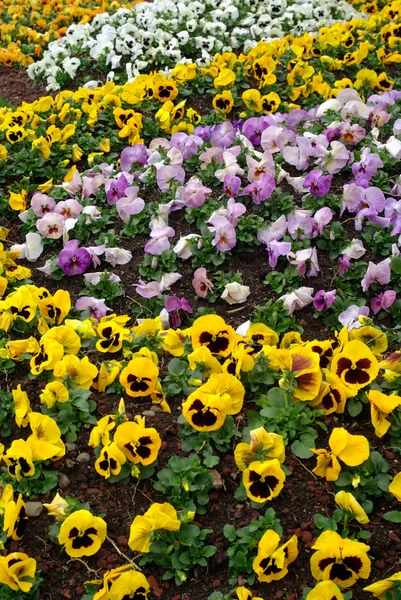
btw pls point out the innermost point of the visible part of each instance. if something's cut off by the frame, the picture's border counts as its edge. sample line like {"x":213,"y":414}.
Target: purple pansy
{"x":74,"y":260}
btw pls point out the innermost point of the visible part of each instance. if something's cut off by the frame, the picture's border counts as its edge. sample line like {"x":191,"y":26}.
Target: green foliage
{"x":178,"y":377}
{"x":283,"y":281}
{"x":41,"y":482}
{"x":276,"y":316}
{"x":154,"y":267}
{"x":180,"y":552}
{"x":203,"y":442}
{"x":105,"y":289}
{"x":374,"y":478}
{"x":295,"y":421}
{"x":244,"y":542}
{"x":70,"y":415}
{"x":6,"y":413}
{"x":186,"y":483}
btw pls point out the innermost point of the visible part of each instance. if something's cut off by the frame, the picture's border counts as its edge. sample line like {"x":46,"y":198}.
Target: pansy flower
{"x":339,"y":560}
{"x":107,"y":375}
{"x":66,"y":336}
{"x":54,"y":392}
{"x":211,"y":331}
{"x":333,"y":394}
{"x":356,"y":365}
{"x":15,"y":519}
{"x":205,"y":411}
{"x":110,"y":460}
{"x":262,"y":446}
{"x":17,"y":570}
{"x":381,"y":589}
{"x":140,"y":444}
{"x":130,"y":584}
{"x":45,"y":440}
{"x":139,"y":377}
{"x":158,"y":516}
{"x":263,"y":480}
{"x":395,"y":487}
{"x":325,"y":590}
{"x":381,"y":406}
{"x":111,"y":336}
{"x":375,"y":339}
{"x":22,"y":406}
{"x":259,"y":334}
{"x":18,"y":459}
{"x":244,"y":594}
{"x":272,"y":560}
{"x":348,"y":503}
{"x":48,"y":354}
{"x":100,"y":434}
{"x":301,"y":370}
{"x":353,"y":450}
{"x":225,"y":383}
{"x":78,"y":373}
{"x":82,"y":534}
{"x":55,"y":308}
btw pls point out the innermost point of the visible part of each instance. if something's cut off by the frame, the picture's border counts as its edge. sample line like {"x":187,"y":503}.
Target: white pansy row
{"x":161,"y":34}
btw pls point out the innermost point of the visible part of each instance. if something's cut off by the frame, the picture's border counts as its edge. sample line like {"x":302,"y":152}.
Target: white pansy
{"x":235,"y":293}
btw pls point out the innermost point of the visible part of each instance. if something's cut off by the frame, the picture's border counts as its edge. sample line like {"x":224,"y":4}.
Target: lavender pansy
{"x":148,"y":290}
{"x":317,"y":183}
{"x":74,"y":260}
{"x":159,"y":240}
{"x":202,"y":285}
{"x":324,"y":300}
{"x":380,"y":273}
{"x":96,"y":307}
{"x":51,"y":225}
{"x":350,"y":317}
{"x":383,"y":301}
{"x":168,"y":174}
{"x":42,"y":204}
{"x":225,"y":237}
{"x":173,"y":305}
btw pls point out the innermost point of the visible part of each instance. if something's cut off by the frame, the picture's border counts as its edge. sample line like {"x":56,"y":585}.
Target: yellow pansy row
{"x":27,"y":26}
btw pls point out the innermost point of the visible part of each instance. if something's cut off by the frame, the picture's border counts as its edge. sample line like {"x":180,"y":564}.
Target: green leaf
{"x":302,"y":449}
{"x":230,"y":532}
{"x":354,"y":407}
{"x":176,"y":367}
{"x":393,"y":515}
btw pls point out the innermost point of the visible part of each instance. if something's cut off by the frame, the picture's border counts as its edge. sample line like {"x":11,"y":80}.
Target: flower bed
{"x":162,"y":34}
{"x":199,"y":328}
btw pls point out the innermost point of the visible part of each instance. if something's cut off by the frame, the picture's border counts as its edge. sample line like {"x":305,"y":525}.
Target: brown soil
{"x":16,"y":87}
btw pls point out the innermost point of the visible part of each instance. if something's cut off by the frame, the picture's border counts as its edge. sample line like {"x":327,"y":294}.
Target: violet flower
{"x":222,"y":135}
{"x":74,"y":260}
{"x":225,"y":237}
{"x":232,"y":185}
{"x":115,"y":188}
{"x":173,"y":305}
{"x":383,"y":301}
{"x":344,"y":264}
{"x":276,"y":249}
{"x":274,"y":231}
{"x":300,"y":225}
{"x":51,"y":225}
{"x":97,"y":308}
{"x":350,"y":317}
{"x":317,"y":183}
{"x":380,"y":273}
{"x":324,"y":300}
{"x":42,"y":204}
{"x":187,"y":144}
{"x":148,"y":290}
{"x":261,"y":189}
{"x":130,"y":204}
{"x":137,"y":154}
{"x":253,"y":129}
{"x":202,"y":285}
{"x":367,"y":166}
{"x":168,"y":174}
{"x":159,"y":240}
{"x":117,"y":256}
{"x":70,"y":209}
{"x":322,"y":217}
{"x":297,"y":299}
{"x":193,"y":194}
